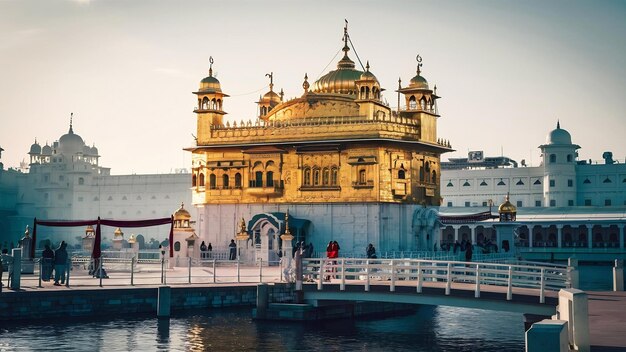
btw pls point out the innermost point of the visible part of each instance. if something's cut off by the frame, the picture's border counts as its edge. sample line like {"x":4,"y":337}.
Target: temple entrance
{"x":266,"y":229}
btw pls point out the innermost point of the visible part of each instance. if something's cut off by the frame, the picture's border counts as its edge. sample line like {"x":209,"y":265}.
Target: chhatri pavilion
{"x":338,"y":159}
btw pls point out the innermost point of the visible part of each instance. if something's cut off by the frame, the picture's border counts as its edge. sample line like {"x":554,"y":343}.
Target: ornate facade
{"x":336,"y":145}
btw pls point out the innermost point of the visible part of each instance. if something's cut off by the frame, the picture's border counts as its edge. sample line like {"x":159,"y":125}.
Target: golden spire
{"x":419,"y":63}
{"x":210,"y":66}
{"x":271,"y":76}
{"x":287,"y":223}
{"x":305,"y":84}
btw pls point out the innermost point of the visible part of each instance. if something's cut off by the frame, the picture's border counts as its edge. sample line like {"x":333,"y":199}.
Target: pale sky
{"x":506,"y":70}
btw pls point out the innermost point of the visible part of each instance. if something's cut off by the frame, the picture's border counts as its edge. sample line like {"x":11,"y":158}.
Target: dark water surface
{"x":429,"y":329}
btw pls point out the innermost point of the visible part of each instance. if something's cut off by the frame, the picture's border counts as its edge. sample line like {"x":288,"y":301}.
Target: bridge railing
{"x":360,"y":271}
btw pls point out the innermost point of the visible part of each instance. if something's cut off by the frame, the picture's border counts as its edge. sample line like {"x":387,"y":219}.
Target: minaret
{"x":559,"y":168}
{"x":368,"y":94}
{"x":421,"y":105}
{"x":270,"y":100}
{"x":209,"y":109}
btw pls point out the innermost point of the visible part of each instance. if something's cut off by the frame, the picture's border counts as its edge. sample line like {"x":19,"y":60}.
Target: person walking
{"x":232,"y":247}
{"x":47,"y":257}
{"x":60,"y":264}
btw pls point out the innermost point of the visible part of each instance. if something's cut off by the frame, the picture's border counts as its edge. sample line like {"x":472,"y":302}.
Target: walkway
{"x":607,"y":321}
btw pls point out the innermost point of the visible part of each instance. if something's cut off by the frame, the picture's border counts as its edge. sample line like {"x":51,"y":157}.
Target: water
{"x":438,"y":329}
{"x":429,"y":329}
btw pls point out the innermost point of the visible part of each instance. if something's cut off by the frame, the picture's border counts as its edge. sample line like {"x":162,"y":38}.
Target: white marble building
{"x":64,"y":181}
{"x":561,"y":181}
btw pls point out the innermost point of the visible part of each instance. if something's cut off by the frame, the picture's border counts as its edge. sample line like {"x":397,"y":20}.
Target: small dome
{"x":182,"y":213}
{"x":132,"y":239}
{"x":94,"y":151}
{"x":210,"y":85}
{"x":507,"y":207}
{"x":118,"y":233}
{"x":558,"y":136}
{"x":86,"y":150}
{"x":35,"y":148}
{"x":418,"y":82}
{"x":46,"y":150}
{"x":367,"y":75}
{"x":71,"y":143}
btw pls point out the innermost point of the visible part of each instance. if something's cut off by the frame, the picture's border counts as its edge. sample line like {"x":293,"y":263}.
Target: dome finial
{"x":558,"y":124}
{"x":271,"y":76}
{"x":367,"y":66}
{"x":210,"y":66}
{"x":71,"y":118}
{"x":345,"y":39}
{"x":419,"y":63}
{"x":305,"y":84}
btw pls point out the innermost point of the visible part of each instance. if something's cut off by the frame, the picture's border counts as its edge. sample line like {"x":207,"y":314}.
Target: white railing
{"x":416,"y":272}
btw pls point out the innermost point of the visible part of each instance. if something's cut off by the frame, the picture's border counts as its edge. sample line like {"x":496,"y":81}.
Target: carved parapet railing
{"x":271,"y":191}
{"x":340,"y":127}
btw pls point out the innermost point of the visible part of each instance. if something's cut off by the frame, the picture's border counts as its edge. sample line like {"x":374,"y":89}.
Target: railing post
{"x":214,"y":270}
{"x":238,"y":272}
{"x":509,"y":290}
{"x":132,"y":271}
{"x":164,"y":272}
{"x":342,"y":286}
{"x":419,"y":277}
{"x":189,"y":268}
{"x":392,"y":287}
{"x":572,"y":271}
{"x":162,"y":269}
{"x":100,"y":260}
{"x":280,"y":268}
{"x":367,"y":273}
{"x":40,"y":270}
{"x":618,"y":275}
{"x":261,"y":270}
{"x":477,"y":289}
{"x":449,"y":279}
{"x":69,"y":269}
{"x":542,"y":293}
{"x":321,"y":275}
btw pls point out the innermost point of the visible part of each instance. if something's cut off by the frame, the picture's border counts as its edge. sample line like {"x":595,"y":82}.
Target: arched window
{"x":333,"y":176}
{"x":201,"y":180}
{"x":401,"y":174}
{"x":412,"y":102}
{"x":362,"y":93}
{"x":193,"y":180}
{"x":326,"y":176}
{"x":258,"y":179}
{"x":552,"y":158}
{"x":219,"y":104}
{"x":205,"y":103}
{"x":177,"y":246}
{"x":307,"y":177}
{"x":362,"y":179}
{"x":81,"y":181}
{"x":427,"y":172}
{"x":225,"y":181}
{"x":423,"y":103}
{"x":316,"y":177}
{"x":212,"y":181}
{"x":367,"y":92}
{"x":263,"y":111}
{"x":237,"y":180}
{"x":434,"y":179}
{"x":270,"y":179}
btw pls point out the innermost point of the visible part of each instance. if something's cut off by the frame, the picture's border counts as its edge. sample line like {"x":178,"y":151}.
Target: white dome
{"x":70,"y":143}
{"x":558,"y":136}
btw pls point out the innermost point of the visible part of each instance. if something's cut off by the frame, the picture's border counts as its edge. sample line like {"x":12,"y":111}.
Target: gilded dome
{"x":342,"y":80}
{"x":35,"y":148}
{"x":271,"y":96}
{"x":558,"y":136}
{"x":182,"y":213}
{"x":210,"y":84}
{"x":507,"y":207}
{"x":418,"y":82}
{"x":118,"y":233}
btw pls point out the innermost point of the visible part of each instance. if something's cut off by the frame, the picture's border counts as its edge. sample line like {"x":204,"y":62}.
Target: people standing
{"x":47,"y":257}
{"x":232,"y":250}
{"x":60,"y":264}
{"x":335,"y":249}
{"x":203,"y":248}
{"x":370,"y":251}
{"x":468,"y":252}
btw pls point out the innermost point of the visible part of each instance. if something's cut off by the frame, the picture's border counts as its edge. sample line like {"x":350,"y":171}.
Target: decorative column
{"x":241,"y":237}
{"x":473,"y":234}
{"x":530,"y":237}
{"x":559,"y":235}
{"x":287,"y":237}
{"x":456,"y":233}
{"x":621,"y":237}
{"x":589,"y":237}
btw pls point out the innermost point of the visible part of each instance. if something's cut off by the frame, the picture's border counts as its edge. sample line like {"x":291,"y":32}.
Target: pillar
{"x":17,"y":268}
{"x":621,"y":237}
{"x":473,"y":229}
{"x":618,"y":275}
{"x":547,"y":335}
{"x":589,"y":237}
{"x":262,"y":301}
{"x":456,"y":232}
{"x":559,"y":235}
{"x":164,"y":301}
{"x":530,"y":237}
{"x":573,"y":308}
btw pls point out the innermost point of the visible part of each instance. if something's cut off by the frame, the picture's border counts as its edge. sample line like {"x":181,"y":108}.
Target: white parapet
{"x":574,"y":309}
{"x":547,"y":335}
{"x":618,"y":275}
